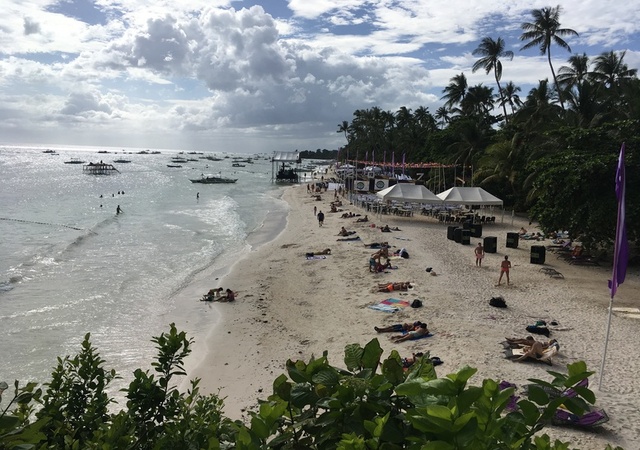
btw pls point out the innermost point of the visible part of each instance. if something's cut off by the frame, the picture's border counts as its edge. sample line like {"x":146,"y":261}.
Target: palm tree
{"x":511,"y":96}
{"x":442,"y":114}
{"x":455,"y":92}
{"x":576,"y":72}
{"x":544,"y":31}
{"x":491,"y":52}
{"x":344,"y":128}
{"x":609,"y":69}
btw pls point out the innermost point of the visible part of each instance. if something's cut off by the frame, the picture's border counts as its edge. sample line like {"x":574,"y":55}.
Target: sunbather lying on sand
{"x":363,"y":219}
{"x":343,"y":232}
{"x":326,"y":251}
{"x":390,"y":287}
{"x":537,"y":350}
{"x":411,"y":335}
{"x":398,"y":327}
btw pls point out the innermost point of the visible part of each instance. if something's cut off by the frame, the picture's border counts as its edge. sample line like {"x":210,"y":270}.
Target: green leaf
{"x":371,"y":356}
{"x":538,"y":395}
{"x":353,"y":354}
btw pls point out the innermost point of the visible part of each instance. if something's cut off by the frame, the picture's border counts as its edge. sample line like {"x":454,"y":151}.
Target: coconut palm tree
{"x":443,"y":116}
{"x":455,"y":92}
{"x":609,"y":69}
{"x":544,"y":31}
{"x":491,"y":51}
{"x":575,"y":73}
{"x":344,"y":128}
{"x":510,"y":93}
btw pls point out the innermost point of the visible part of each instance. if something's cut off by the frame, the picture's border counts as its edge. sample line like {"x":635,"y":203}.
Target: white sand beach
{"x":289,"y":307}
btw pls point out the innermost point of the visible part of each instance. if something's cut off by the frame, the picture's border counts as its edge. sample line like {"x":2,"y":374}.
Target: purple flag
{"x":366,"y":157}
{"x":403,"y":155}
{"x":373,"y":157}
{"x":621,"y":248}
{"x":393,"y":162}
{"x":384,"y":158}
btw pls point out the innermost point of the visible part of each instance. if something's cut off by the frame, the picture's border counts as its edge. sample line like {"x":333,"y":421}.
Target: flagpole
{"x":620,"y":253}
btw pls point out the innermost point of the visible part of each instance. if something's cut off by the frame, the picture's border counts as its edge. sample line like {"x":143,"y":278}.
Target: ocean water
{"x":69,"y":265}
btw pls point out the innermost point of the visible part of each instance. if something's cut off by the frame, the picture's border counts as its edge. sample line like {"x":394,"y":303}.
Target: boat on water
{"x":121,"y":161}
{"x":174,"y":165}
{"x":237,"y":165}
{"x":51,"y":152}
{"x":214,"y":179}
{"x":74,"y":161}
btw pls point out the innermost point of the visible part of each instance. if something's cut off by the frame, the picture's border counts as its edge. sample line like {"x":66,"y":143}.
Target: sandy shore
{"x":289,"y":307}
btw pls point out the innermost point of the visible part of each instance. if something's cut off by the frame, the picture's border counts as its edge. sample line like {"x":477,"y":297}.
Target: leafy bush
{"x":372,"y":404}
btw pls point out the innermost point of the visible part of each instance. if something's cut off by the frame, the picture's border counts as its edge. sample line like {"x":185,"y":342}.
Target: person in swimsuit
{"x":504,"y":269}
{"x":479,"y":252}
{"x":398,"y":327}
{"x":411,"y":335}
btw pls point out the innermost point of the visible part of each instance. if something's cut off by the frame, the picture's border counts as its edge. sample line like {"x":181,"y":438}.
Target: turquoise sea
{"x":70,"y":265}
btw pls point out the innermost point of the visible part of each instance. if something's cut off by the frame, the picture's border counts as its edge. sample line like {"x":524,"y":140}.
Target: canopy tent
{"x":412,"y":193}
{"x":286,"y":157}
{"x":468,"y":196}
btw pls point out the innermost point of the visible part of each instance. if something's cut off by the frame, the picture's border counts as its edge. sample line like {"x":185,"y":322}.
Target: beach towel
{"x":316,"y":257}
{"x":390,"y":305}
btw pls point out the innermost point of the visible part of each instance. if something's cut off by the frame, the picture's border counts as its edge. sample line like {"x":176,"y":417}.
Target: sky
{"x":260,"y":76}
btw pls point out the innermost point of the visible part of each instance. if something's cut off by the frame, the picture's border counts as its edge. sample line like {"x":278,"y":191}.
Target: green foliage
{"x":373,"y":404}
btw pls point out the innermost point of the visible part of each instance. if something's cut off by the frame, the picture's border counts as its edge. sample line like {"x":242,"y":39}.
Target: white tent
{"x":405,"y":192}
{"x":468,"y":196}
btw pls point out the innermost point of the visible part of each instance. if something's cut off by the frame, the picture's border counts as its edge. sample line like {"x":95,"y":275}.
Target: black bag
{"x":498,"y":302}
{"x":404,"y":254}
{"x":416,"y":303}
{"x":538,"y":330}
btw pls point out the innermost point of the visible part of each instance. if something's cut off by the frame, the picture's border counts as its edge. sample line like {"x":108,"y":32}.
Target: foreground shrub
{"x":372,"y":404}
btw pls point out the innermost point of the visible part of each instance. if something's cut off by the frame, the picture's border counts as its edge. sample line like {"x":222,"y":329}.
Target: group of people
{"x":410,"y":331}
{"x":216,"y":295}
{"x":505,"y":265}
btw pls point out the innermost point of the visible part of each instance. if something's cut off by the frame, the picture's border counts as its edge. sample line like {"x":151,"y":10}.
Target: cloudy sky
{"x":249,"y":76}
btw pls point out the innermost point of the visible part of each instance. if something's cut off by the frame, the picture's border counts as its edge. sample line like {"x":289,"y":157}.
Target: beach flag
{"x":620,"y":253}
{"x":393,"y":162}
{"x":403,"y":155}
{"x":384,"y":158}
{"x":621,"y":248}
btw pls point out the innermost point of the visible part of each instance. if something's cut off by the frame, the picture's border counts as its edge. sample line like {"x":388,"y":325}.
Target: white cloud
{"x":197,"y":70}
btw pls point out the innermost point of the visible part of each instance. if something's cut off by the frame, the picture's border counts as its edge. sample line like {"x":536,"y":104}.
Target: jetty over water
{"x":99,"y":169}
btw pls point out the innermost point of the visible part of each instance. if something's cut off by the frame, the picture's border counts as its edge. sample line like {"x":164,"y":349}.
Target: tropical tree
{"x":455,"y":92}
{"x":344,"y":128}
{"x":575,"y":73}
{"x":491,"y":51}
{"x":544,"y":31}
{"x":510,"y":93}
{"x":609,"y":69}
{"x":442,"y":114}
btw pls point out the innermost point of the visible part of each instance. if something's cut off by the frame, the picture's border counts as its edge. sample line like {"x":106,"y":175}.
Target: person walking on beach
{"x":504,"y":269}
{"x":320,"y":218}
{"x":315,"y":210}
{"x":479,"y":251}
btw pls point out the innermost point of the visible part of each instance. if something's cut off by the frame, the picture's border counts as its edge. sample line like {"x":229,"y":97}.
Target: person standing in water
{"x":118,"y":210}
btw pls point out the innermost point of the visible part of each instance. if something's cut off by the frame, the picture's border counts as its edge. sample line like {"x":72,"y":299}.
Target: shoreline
{"x":292,"y":308}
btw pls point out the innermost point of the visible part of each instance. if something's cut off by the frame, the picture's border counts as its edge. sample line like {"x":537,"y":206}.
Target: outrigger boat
{"x":213,"y":179}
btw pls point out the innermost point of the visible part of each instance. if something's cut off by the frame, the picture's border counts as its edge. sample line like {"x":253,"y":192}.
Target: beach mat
{"x":390,"y":305}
